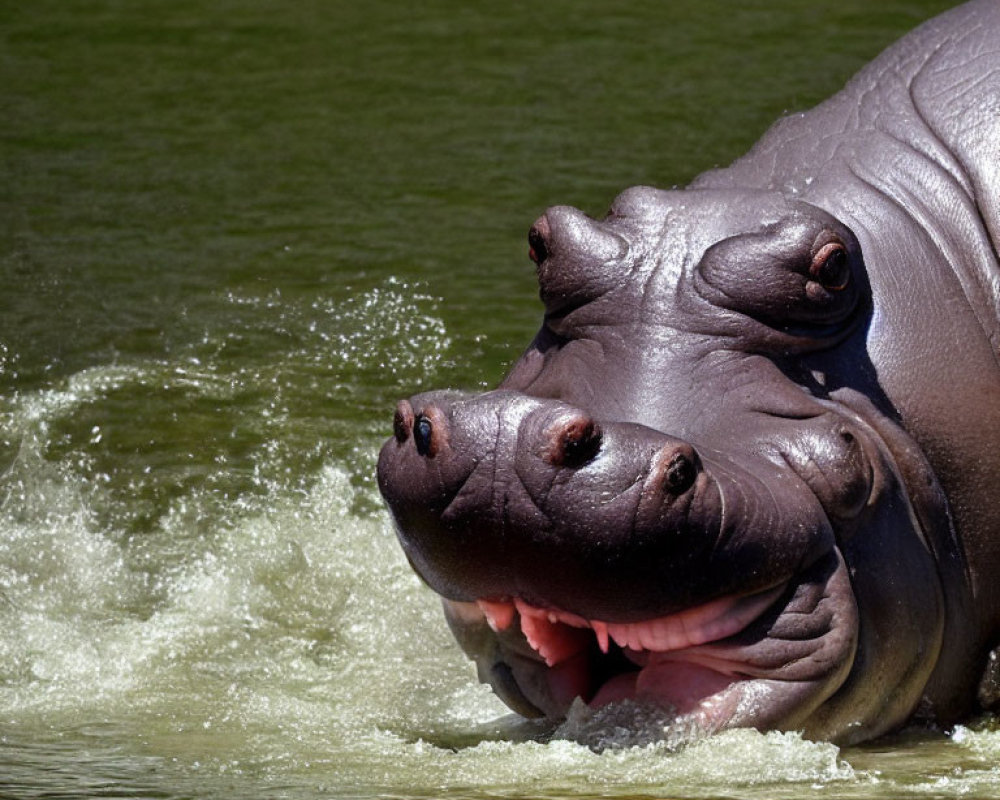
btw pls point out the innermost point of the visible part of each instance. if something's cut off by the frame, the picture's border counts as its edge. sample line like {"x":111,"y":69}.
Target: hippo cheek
{"x":766,"y":660}
{"x":506,"y":661}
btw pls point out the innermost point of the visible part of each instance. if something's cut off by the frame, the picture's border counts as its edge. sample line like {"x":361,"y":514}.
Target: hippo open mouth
{"x":773,"y":654}
{"x":655,"y":657}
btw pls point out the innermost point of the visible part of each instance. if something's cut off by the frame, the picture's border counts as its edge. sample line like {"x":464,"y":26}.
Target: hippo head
{"x":665,"y":498}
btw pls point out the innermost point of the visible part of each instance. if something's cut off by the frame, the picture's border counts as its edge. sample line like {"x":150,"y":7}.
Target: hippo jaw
{"x":762,"y":660}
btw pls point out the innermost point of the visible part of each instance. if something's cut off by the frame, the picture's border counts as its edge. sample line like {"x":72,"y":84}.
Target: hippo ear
{"x":798,"y":275}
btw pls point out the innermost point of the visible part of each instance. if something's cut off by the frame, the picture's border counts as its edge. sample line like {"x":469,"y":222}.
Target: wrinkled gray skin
{"x":784,"y":374}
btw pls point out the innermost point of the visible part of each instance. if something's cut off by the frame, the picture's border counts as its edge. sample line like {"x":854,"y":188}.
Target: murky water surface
{"x":231,"y":235}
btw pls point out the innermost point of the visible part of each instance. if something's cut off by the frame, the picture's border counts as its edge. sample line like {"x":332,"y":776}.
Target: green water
{"x":231,"y":235}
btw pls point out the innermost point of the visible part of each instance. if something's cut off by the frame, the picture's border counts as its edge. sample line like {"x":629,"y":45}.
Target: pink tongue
{"x":679,"y":685}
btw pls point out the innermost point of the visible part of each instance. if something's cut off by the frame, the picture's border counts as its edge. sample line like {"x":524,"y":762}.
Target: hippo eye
{"x":830,"y":267}
{"x":680,"y":474}
{"x":422,"y":430}
{"x":802,"y":277}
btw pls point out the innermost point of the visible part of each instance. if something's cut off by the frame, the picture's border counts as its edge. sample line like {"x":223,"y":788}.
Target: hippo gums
{"x":747,"y":470}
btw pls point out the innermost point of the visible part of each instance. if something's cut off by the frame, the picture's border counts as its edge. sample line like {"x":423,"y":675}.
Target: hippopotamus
{"x":747,"y":469}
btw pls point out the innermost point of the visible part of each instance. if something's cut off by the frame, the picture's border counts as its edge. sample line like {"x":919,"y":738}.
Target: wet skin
{"x":724,"y":478}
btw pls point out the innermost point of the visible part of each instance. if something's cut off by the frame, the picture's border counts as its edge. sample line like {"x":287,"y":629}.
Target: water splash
{"x":188,"y":585}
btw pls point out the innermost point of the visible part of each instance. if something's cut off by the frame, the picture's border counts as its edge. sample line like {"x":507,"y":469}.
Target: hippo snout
{"x":538,"y":522}
{"x":503,"y":495}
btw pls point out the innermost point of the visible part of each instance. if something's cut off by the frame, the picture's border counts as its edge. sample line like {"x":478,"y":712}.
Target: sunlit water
{"x":232,"y":235}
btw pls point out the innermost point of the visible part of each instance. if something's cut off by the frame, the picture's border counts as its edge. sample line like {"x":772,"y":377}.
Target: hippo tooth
{"x":709,"y":622}
{"x":499,"y":616}
{"x":601,"y":630}
{"x":619,"y":632}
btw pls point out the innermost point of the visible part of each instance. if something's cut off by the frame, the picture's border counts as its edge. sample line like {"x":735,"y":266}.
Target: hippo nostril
{"x":423,"y":432}
{"x":575,"y":443}
{"x":680,"y":474}
{"x":538,"y":250}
